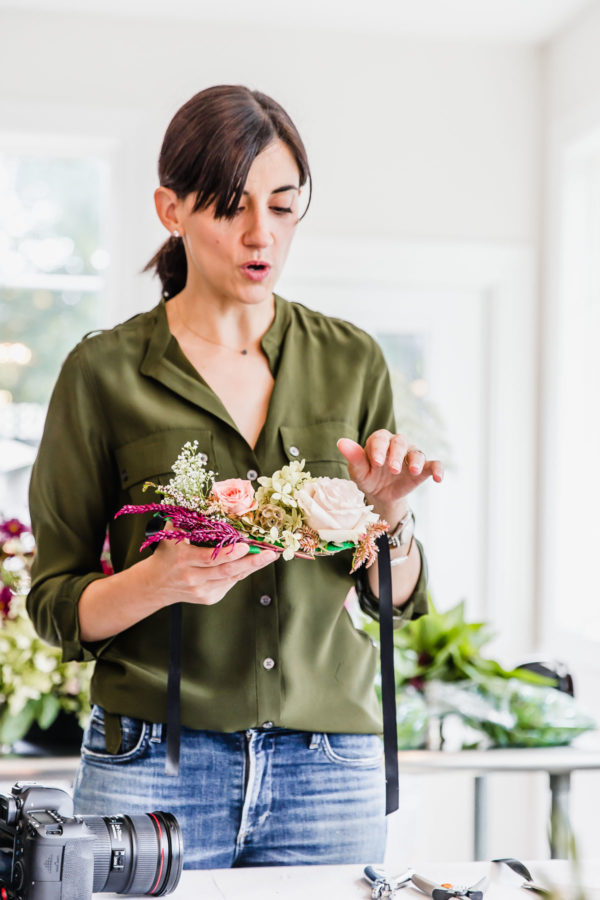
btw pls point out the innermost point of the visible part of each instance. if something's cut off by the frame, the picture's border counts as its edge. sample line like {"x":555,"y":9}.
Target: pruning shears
{"x":384,"y":885}
{"x":445,"y":890}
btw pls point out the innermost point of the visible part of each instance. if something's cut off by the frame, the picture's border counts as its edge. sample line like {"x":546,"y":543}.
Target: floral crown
{"x":291,"y":512}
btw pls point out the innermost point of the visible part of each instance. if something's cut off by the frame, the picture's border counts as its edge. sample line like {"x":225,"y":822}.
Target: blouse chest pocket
{"x":317,"y":444}
{"x":151,"y":458}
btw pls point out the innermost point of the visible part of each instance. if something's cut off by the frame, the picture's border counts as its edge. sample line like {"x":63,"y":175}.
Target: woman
{"x":280,"y":748}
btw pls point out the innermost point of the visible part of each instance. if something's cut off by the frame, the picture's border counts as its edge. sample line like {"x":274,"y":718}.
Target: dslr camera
{"x":47,"y":853}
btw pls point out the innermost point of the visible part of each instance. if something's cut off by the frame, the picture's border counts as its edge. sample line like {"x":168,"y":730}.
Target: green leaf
{"x":332,"y":547}
{"x":14,"y":727}
{"x":48,"y":711}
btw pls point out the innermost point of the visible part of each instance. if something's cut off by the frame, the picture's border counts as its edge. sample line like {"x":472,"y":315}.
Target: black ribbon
{"x":157,"y":523}
{"x":388,"y":681}
{"x":174,"y":692}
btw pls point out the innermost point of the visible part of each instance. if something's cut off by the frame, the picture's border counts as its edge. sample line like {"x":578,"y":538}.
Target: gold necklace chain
{"x":243,"y":352}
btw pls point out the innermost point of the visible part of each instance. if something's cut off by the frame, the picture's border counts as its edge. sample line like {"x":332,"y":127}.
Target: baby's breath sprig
{"x":192,"y":482}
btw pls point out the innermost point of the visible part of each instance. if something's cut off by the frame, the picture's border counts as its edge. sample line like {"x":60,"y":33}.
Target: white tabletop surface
{"x":583,"y":753}
{"x":347,"y":883}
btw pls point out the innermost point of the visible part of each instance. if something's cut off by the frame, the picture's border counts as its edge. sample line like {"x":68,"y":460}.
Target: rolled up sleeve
{"x":71,"y":500}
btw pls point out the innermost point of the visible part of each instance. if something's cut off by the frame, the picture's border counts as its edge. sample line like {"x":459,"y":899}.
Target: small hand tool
{"x":384,"y":885}
{"x":446,"y":890}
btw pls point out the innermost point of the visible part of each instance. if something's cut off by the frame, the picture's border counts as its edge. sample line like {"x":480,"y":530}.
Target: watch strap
{"x":403,"y":533}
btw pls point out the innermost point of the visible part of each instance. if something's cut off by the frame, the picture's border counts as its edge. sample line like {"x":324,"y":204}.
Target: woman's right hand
{"x":175,"y":573}
{"x":186,"y":573}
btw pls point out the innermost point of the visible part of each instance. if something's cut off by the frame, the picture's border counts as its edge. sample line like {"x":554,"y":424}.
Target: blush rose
{"x":235,"y":495}
{"x":335,"y":508}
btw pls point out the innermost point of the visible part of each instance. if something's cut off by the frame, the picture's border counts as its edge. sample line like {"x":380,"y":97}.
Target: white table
{"x":346,"y":882}
{"x":37,"y":768}
{"x":558,"y":762}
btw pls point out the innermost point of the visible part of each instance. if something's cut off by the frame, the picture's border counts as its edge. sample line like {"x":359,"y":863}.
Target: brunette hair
{"x":208,"y":149}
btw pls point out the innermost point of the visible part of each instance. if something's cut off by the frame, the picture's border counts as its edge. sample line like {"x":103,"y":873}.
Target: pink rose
{"x":335,"y":508}
{"x":235,"y":495}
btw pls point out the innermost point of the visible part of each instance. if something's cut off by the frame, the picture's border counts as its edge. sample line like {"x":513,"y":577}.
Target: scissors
{"x":445,"y":890}
{"x":384,"y":885}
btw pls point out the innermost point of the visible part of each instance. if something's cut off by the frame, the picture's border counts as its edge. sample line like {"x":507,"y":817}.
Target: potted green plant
{"x":440,"y":665}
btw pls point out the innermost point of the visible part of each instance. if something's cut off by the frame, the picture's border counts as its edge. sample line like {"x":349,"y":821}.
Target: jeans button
{"x":267,"y":724}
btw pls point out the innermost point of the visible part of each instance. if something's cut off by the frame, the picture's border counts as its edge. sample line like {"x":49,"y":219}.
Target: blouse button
{"x":203,"y":458}
{"x":294,"y":451}
{"x":251,"y":474}
{"x":267,"y":724}
{"x":268,"y":663}
{"x":265,"y":600}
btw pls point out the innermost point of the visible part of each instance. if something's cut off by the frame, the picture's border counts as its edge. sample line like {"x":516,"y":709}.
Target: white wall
{"x":572,"y":68}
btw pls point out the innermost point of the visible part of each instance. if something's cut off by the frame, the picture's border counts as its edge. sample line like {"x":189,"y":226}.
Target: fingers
{"x":356,"y":457}
{"x":383,"y":447}
{"x":415,"y":460}
{"x":209,"y":584}
{"x":236,"y":570}
{"x":386,"y":450}
{"x":193,"y":555}
{"x":437,"y":470}
{"x":203,"y":556}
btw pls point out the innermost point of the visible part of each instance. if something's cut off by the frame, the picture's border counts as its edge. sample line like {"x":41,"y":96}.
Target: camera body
{"x":47,"y":853}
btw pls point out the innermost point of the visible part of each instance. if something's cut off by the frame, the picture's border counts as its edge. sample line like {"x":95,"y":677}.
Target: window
{"x":572,"y":488}
{"x":53,"y":264}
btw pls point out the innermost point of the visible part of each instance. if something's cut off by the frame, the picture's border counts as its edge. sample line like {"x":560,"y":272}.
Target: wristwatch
{"x":402,"y":534}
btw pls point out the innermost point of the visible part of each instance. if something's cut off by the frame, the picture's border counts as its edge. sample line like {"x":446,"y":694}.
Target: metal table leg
{"x":480,"y":818}
{"x":560,"y":826}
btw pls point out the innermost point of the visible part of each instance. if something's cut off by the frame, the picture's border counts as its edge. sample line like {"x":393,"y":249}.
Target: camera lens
{"x":136,"y":854}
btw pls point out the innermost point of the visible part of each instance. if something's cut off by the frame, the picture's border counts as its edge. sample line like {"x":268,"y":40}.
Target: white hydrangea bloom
{"x":291,"y":544}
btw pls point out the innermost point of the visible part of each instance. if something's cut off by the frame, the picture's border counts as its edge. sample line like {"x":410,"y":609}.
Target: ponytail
{"x":170,"y":264}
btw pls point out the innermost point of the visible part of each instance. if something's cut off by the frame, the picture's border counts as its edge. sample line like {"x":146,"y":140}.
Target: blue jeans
{"x":262,"y":797}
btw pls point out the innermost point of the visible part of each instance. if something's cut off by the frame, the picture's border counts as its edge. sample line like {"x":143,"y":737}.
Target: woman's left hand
{"x":387,"y":469}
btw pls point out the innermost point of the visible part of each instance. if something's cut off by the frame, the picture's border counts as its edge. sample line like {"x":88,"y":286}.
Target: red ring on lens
{"x":162,"y":853}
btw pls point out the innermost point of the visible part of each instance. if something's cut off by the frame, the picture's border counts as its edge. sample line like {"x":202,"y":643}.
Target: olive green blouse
{"x":280,"y":647}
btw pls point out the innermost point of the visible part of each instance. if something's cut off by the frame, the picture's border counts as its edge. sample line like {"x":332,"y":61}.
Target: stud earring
{"x":175,"y":233}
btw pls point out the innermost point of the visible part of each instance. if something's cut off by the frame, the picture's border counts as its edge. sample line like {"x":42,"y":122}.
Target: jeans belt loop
{"x":315,"y":740}
{"x":156,"y":732}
